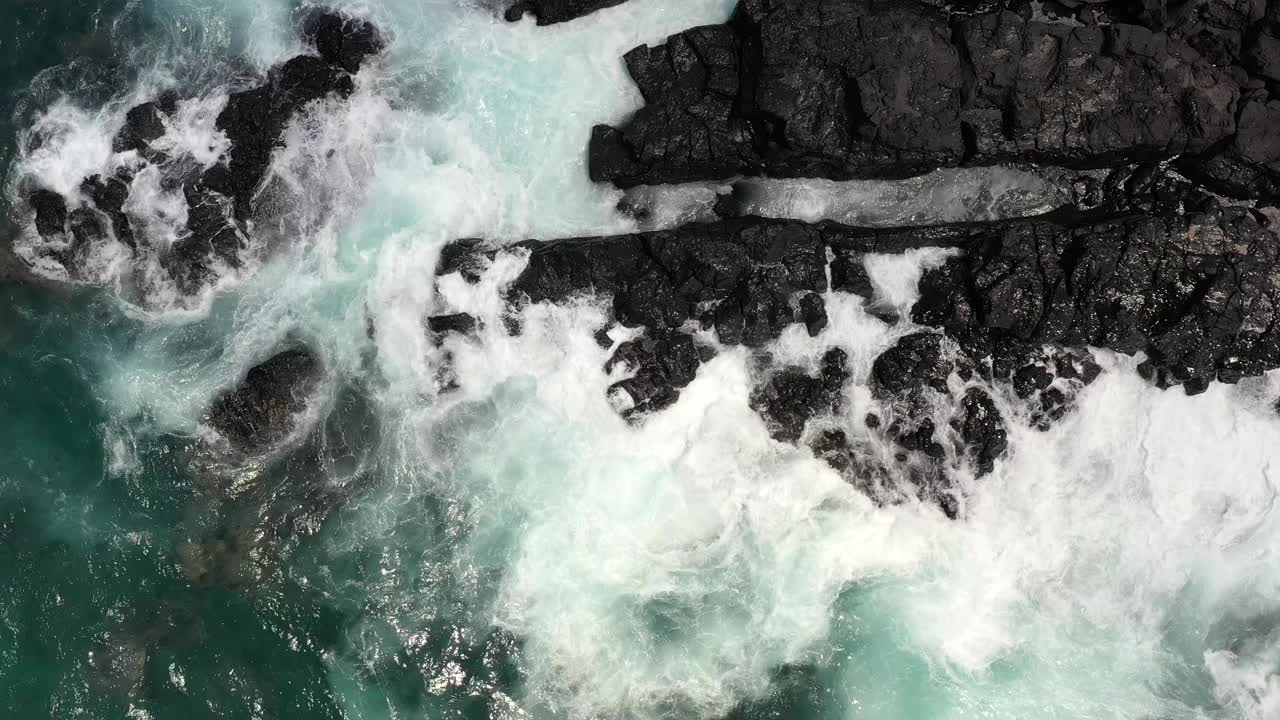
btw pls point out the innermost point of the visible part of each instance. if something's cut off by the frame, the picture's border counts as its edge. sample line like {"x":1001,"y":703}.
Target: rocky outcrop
{"x":220,"y":200}
{"x":791,"y":397}
{"x":556,"y":11}
{"x":262,"y":411}
{"x":1196,"y":293}
{"x":846,"y":89}
{"x":659,"y":364}
{"x":1159,"y":268}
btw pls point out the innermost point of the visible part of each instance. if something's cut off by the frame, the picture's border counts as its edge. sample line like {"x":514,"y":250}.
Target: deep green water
{"x":514,"y":550}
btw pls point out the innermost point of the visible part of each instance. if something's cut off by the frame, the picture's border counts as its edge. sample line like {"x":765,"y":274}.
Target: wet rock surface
{"x":262,"y":410}
{"x":1157,"y":267}
{"x":253,"y":507}
{"x":789,"y":398}
{"x":841,"y":90}
{"x":220,"y":200}
{"x":556,"y":11}
{"x":1195,"y":292}
{"x":660,"y":363}
{"x":744,"y":279}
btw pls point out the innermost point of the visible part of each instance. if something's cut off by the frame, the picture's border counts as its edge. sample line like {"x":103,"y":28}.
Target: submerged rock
{"x":248,"y":513}
{"x":262,"y":410}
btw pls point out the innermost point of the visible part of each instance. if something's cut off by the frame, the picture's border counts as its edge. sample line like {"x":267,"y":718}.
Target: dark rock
{"x":1246,"y":165}
{"x":1263,"y":56}
{"x":466,"y":257}
{"x":982,"y":431}
{"x":849,"y":274}
{"x":1089,"y":96}
{"x":789,"y":398}
{"x":51,"y":213}
{"x":846,"y":89}
{"x":915,"y":362}
{"x":602,"y":338}
{"x":748,"y":278}
{"x":109,"y":196}
{"x":143,"y":124}
{"x":457,"y":323}
{"x":220,"y":203}
{"x":813,"y":313}
{"x":1196,"y":293}
{"x":254,"y":121}
{"x":262,"y":410}
{"x":1031,"y":378}
{"x":738,"y":277}
{"x":213,"y":238}
{"x":555,"y":11}
{"x":662,"y":362}
{"x":86,"y":232}
{"x":343,"y":41}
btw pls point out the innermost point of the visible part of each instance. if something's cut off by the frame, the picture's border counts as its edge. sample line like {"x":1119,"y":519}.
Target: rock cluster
{"x":1167,"y":270}
{"x":220,"y":200}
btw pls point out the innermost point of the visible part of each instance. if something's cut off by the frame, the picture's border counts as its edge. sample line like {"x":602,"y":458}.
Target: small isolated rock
{"x":262,"y":410}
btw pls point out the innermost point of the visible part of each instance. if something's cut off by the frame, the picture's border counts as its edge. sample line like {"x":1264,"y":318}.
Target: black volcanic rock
{"x":791,"y":397}
{"x":461,"y":323}
{"x":262,"y":410}
{"x":144,"y":124}
{"x":109,"y":196}
{"x":343,"y":41}
{"x":51,"y":213}
{"x":1197,"y":293}
{"x":915,"y":362}
{"x":556,"y":11}
{"x":221,"y":200}
{"x":1246,"y":165}
{"x":254,"y":121}
{"x":848,"y":89}
{"x":738,"y":277}
{"x":662,"y":362}
{"x":981,"y":429}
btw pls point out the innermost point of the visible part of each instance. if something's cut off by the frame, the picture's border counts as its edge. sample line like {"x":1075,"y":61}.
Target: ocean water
{"x":513,"y":549}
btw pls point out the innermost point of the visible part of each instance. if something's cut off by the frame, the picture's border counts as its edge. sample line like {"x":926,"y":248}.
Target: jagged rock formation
{"x":847,"y":89}
{"x":556,"y":11}
{"x":791,"y":397}
{"x":220,"y":200}
{"x":1162,"y":269}
{"x":1197,"y":293}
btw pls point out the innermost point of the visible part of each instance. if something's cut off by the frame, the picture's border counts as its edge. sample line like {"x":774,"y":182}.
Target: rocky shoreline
{"x":1166,"y":111}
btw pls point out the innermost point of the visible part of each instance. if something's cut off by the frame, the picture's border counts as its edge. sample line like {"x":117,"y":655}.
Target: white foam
{"x":674,"y":565}
{"x":65,"y":145}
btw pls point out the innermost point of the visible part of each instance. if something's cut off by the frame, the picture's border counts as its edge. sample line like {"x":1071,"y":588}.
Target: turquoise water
{"x":513,"y":549}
